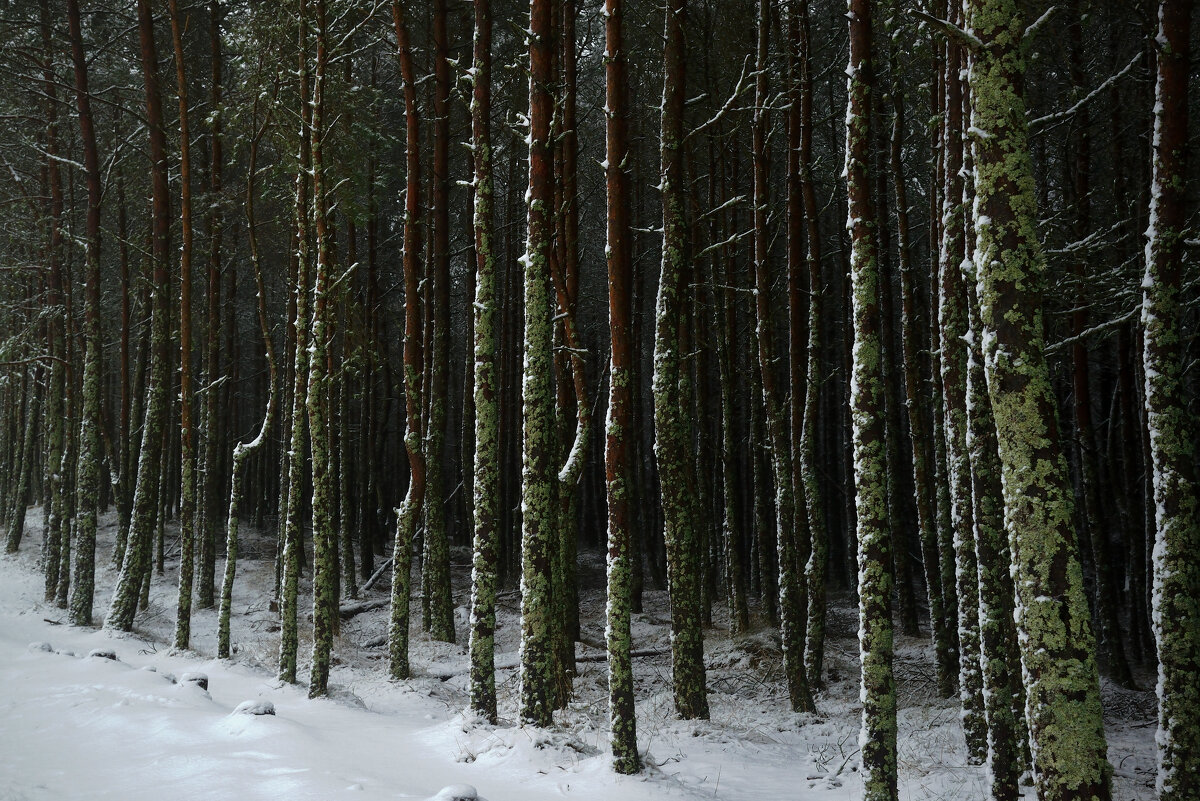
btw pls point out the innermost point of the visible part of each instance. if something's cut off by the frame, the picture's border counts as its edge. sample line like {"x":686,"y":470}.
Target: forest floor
{"x":74,"y":726}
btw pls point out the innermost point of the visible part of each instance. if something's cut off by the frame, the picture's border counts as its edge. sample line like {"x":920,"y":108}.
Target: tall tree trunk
{"x":243,"y":450}
{"x":672,"y":440}
{"x":538,"y":517}
{"x":187,"y":510}
{"x":814,"y":656}
{"x":325,"y":553}
{"x":877,"y":739}
{"x":210,"y":476}
{"x":410,"y":509}
{"x":293,"y":534}
{"x":145,"y":500}
{"x":437,"y":546}
{"x":486,"y":470}
{"x":952,"y":328}
{"x":1176,"y":594}
{"x":793,"y":601}
{"x":619,"y":439}
{"x":56,"y":428}
{"x":1057,"y":646}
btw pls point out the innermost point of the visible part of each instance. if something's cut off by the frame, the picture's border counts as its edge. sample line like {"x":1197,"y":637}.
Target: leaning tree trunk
{"x":243,"y":450}
{"x":1057,"y":646}
{"x":1176,"y":596}
{"x":877,"y":739}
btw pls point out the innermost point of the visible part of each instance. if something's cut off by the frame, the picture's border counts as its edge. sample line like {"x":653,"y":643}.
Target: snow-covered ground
{"x":74,"y":726}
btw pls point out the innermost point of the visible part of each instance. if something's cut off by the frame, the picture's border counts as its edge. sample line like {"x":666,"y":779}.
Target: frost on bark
{"x":1057,"y":646}
{"x":877,"y":739}
{"x":793,"y":601}
{"x":145,"y":496}
{"x":619,"y":434}
{"x":410,"y":508}
{"x":952,"y":327}
{"x":1176,"y":595}
{"x":539,"y":518}
{"x":486,"y":472}
{"x":672,"y":429}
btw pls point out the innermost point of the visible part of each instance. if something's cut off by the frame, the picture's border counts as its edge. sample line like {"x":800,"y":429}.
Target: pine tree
{"x":145,"y":497}
{"x":952,"y":328}
{"x":538,"y":517}
{"x":243,"y":450}
{"x":877,"y":740}
{"x":325,"y":553}
{"x":293,"y":537}
{"x":672,"y":434}
{"x":1057,"y":647}
{"x":618,"y":453}
{"x":1176,"y":594}
{"x":410,"y":509}
{"x":437,"y":545}
{"x":187,"y":495}
{"x":486,"y":471}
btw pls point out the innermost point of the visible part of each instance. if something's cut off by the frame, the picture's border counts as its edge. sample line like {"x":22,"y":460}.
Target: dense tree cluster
{"x":893,"y":300}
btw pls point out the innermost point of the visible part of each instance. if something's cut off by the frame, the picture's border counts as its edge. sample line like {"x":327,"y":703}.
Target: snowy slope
{"x":80,"y":727}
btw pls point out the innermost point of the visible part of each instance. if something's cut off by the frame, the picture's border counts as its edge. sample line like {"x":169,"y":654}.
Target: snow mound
{"x":103,"y":653}
{"x":254,"y":708}
{"x":457,"y":792}
{"x":199,"y":679}
{"x":40,"y":646}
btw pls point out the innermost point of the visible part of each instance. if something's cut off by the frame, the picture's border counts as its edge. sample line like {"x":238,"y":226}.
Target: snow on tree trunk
{"x":187,"y":493}
{"x":1176,"y":595}
{"x":619,"y":435}
{"x":877,"y":739}
{"x":1057,"y":646}
{"x":814,"y":570}
{"x":145,"y":496}
{"x":672,"y":428}
{"x":486,"y":472}
{"x":325,"y":553}
{"x":410,"y":509}
{"x":539,"y":517}
{"x":793,"y":601}
{"x":952,"y":327}
{"x":293,"y":537}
